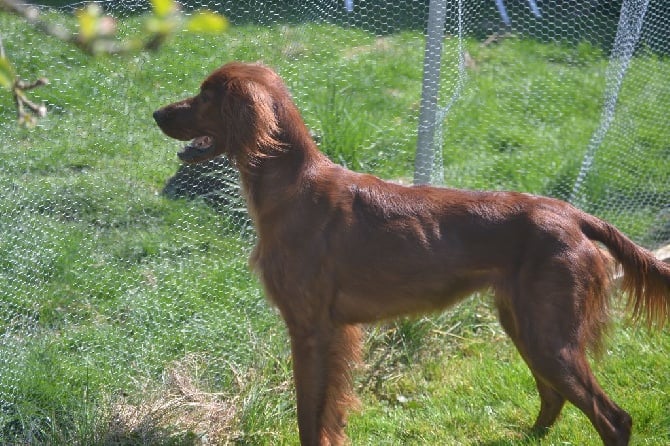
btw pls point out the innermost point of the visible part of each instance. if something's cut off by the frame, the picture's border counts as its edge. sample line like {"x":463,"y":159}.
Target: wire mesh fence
{"x":123,"y":280}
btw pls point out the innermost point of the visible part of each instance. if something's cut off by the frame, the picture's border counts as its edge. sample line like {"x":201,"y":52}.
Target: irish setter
{"x":337,"y":249}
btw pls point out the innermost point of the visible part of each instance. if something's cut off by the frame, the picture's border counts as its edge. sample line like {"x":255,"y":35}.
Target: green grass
{"x":130,"y":318}
{"x":476,"y":390}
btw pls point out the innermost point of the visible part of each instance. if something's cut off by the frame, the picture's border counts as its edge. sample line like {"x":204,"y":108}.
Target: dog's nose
{"x":159,"y":115}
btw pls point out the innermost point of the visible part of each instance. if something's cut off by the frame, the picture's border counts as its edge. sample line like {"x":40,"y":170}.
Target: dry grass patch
{"x":179,"y":412}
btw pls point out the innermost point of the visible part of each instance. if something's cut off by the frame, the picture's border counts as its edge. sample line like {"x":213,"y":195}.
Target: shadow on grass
{"x":216,"y":182}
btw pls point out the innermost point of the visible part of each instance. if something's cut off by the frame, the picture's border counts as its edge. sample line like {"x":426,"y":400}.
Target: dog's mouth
{"x":199,"y":149}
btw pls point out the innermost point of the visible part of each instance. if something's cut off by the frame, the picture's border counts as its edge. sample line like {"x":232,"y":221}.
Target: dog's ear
{"x":247,"y":108}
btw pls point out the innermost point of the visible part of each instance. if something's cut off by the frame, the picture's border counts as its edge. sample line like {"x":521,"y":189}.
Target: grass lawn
{"x":129,"y":317}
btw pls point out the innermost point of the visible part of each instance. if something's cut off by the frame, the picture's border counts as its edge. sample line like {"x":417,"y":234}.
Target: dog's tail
{"x":646,"y":280}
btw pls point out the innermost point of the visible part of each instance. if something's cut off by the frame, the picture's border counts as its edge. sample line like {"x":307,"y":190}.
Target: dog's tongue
{"x":201,"y":142}
{"x":196,"y":149}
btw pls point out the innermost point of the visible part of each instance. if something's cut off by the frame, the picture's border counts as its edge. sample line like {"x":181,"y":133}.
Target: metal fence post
{"x":432,"y":61}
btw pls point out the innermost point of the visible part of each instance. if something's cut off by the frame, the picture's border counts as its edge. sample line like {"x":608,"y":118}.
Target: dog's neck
{"x":271,"y":182}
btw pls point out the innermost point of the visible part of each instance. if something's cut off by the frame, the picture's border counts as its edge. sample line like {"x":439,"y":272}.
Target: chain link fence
{"x":124,"y":289}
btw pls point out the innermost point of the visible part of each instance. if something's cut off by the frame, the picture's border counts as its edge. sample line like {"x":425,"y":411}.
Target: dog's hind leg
{"x":551,"y":316}
{"x":567,"y":371}
{"x":551,"y":401}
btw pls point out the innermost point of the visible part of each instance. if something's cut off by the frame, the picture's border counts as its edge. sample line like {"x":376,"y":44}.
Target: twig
{"x":21,"y":100}
{"x":19,"y":87}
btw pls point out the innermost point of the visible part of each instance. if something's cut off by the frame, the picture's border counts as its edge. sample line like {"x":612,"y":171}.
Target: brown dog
{"x":337,"y":248}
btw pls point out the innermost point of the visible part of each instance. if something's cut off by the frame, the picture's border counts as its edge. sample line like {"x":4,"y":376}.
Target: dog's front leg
{"x":309,"y":349}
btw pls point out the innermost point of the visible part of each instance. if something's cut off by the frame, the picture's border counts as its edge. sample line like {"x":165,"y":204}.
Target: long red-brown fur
{"x":337,"y":248}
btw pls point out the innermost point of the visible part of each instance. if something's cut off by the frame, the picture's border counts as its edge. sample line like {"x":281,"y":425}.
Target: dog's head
{"x":234,"y":114}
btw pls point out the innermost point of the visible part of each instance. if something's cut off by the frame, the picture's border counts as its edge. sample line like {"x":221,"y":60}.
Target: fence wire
{"x":124,"y":289}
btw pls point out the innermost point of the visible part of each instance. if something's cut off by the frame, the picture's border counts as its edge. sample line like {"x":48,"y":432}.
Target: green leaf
{"x":164,"y":8}
{"x":207,"y":22}
{"x":88,"y":19}
{"x":161,"y":25}
{"x":7,"y":75}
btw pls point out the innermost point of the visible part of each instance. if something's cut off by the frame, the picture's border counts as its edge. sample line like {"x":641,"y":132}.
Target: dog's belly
{"x":402,"y":296}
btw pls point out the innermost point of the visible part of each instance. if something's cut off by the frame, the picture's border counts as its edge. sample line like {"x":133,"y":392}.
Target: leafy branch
{"x":95,"y":34}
